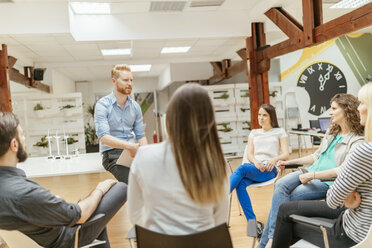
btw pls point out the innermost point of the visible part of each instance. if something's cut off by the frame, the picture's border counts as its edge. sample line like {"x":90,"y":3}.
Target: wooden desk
{"x":308,"y":133}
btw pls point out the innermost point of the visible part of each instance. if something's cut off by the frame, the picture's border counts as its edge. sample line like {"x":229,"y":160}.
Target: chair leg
{"x":325,"y":237}
{"x":254,"y":242}
{"x":131,"y":243}
{"x":228,"y":219}
{"x":240,"y":209}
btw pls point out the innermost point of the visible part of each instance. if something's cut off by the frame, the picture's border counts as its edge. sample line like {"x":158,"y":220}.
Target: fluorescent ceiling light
{"x":81,"y":8}
{"x":135,"y":68}
{"x":350,"y":4}
{"x":111,"y":52}
{"x":175,"y":49}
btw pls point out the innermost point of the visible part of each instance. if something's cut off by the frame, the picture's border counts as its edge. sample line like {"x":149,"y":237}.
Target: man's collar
{"x":114,"y":100}
{"x":12,"y":170}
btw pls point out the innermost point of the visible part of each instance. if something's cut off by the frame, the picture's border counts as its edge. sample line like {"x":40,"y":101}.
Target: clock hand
{"x":326,"y":78}
{"x":321,"y":79}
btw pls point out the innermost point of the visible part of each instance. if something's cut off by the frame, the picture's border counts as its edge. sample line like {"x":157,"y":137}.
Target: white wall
{"x":61,"y":83}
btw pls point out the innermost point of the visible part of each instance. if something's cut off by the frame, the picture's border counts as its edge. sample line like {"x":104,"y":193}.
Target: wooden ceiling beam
{"x":352,"y":21}
{"x":217,"y":66}
{"x":356,"y":19}
{"x":11,"y":61}
{"x":5,"y":99}
{"x":285,"y":22}
{"x":243,"y":53}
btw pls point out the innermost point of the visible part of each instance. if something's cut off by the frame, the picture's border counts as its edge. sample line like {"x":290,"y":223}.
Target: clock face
{"x":322,"y":81}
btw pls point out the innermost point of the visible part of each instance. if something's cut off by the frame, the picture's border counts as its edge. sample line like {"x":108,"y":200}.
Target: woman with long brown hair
{"x":266,"y":146}
{"x":341,"y":139}
{"x":180,"y":186}
{"x":352,"y":189}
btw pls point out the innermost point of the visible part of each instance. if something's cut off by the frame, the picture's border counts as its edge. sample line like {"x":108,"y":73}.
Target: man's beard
{"x":126,"y":90}
{"x":21,"y":153}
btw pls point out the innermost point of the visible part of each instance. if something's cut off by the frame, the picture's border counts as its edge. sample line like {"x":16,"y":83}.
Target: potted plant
{"x":41,"y":145}
{"x":225,"y":128}
{"x":39,"y":110}
{"x":68,"y":109}
{"x":91,"y":140}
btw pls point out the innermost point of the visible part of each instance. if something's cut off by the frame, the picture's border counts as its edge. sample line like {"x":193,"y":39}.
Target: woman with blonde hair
{"x":352,"y":189}
{"x":180,"y":186}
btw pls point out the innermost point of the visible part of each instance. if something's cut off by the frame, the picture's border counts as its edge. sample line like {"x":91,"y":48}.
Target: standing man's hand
{"x":104,"y":186}
{"x":133,"y":149}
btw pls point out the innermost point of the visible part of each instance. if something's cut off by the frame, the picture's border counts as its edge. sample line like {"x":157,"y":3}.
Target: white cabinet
{"x":57,"y":113}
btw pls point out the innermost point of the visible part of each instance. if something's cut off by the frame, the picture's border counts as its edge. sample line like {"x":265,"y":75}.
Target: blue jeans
{"x":243,"y":176}
{"x":290,"y":188}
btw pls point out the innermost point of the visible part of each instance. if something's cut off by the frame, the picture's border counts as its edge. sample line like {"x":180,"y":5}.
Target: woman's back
{"x":160,"y":201}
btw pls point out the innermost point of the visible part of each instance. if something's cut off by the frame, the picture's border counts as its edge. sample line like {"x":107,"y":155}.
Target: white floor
{"x":44,"y":167}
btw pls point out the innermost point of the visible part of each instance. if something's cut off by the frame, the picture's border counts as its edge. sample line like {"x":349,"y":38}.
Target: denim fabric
{"x":243,"y":176}
{"x":290,"y":188}
{"x":111,"y":119}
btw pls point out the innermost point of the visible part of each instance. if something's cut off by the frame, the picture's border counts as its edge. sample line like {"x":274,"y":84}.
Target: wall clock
{"x":321,"y":80}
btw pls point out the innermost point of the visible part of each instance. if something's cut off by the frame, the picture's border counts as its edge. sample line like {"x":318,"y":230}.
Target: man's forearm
{"x":143,"y":141}
{"x":89,"y":205}
{"x":114,"y":142}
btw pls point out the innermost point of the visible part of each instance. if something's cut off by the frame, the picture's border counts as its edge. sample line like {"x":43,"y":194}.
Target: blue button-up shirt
{"x":111,"y":119}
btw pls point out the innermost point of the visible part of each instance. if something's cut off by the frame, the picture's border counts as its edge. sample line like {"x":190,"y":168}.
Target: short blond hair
{"x":365,"y":95}
{"x":117,"y":68}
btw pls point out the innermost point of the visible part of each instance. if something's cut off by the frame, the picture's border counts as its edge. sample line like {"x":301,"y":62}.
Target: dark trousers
{"x":287,"y":232}
{"x":109,"y":159}
{"x":110,"y":204}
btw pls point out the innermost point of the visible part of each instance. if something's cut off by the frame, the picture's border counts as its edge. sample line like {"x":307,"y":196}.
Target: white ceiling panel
{"x":180,"y":42}
{"x":210,"y":42}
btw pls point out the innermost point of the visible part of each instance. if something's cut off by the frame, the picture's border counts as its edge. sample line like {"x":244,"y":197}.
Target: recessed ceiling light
{"x":135,"y":68}
{"x":90,"y":8}
{"x":350,"y":4}
{"x":175,"y":49}
{"x":112,"y":52}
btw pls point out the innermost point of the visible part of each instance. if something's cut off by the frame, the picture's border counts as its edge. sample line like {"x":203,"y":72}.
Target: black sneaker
{"x":260,"y":228}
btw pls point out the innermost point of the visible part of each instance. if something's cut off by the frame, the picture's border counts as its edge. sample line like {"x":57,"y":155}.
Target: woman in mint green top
{"x":344,"y":135}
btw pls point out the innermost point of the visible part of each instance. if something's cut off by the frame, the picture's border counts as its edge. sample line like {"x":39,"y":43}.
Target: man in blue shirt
{"x":33,"y":210}
{"x":117,"y":116}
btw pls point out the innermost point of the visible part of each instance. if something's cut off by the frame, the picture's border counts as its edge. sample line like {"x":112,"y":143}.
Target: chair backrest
{"x":16,"y":239}
{"x":217,"y":237}
{"x":245,"y":158}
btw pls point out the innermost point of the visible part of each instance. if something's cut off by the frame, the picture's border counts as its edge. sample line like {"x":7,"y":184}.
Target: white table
{"x":44,"y":167}
{"x":308,"y":133}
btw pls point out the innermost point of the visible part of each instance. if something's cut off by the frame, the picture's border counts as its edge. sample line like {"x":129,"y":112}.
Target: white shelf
{"x":53,"y":118}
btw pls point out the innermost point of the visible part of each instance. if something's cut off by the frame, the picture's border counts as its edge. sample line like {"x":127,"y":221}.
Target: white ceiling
{"x":82,"y":60}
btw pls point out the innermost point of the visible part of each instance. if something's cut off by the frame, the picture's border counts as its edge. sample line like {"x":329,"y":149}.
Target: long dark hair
{"x":193,"y":136}
{"x":270,"y":109}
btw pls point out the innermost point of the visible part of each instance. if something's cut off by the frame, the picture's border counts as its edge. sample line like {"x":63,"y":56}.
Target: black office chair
{"x":314,"y":124}
{"x":322,"y":223}
{"x":217,"y":237}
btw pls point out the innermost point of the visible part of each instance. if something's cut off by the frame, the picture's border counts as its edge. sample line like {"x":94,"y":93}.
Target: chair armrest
{"x":93,"y":219}
{"x":292,"y":166}
{"x":328,"y":179}
{"x":316,"y":222}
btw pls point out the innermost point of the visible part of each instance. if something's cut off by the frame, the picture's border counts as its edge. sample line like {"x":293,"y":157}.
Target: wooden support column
{"x":5,"y":99}
{"x":258,"y":73}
